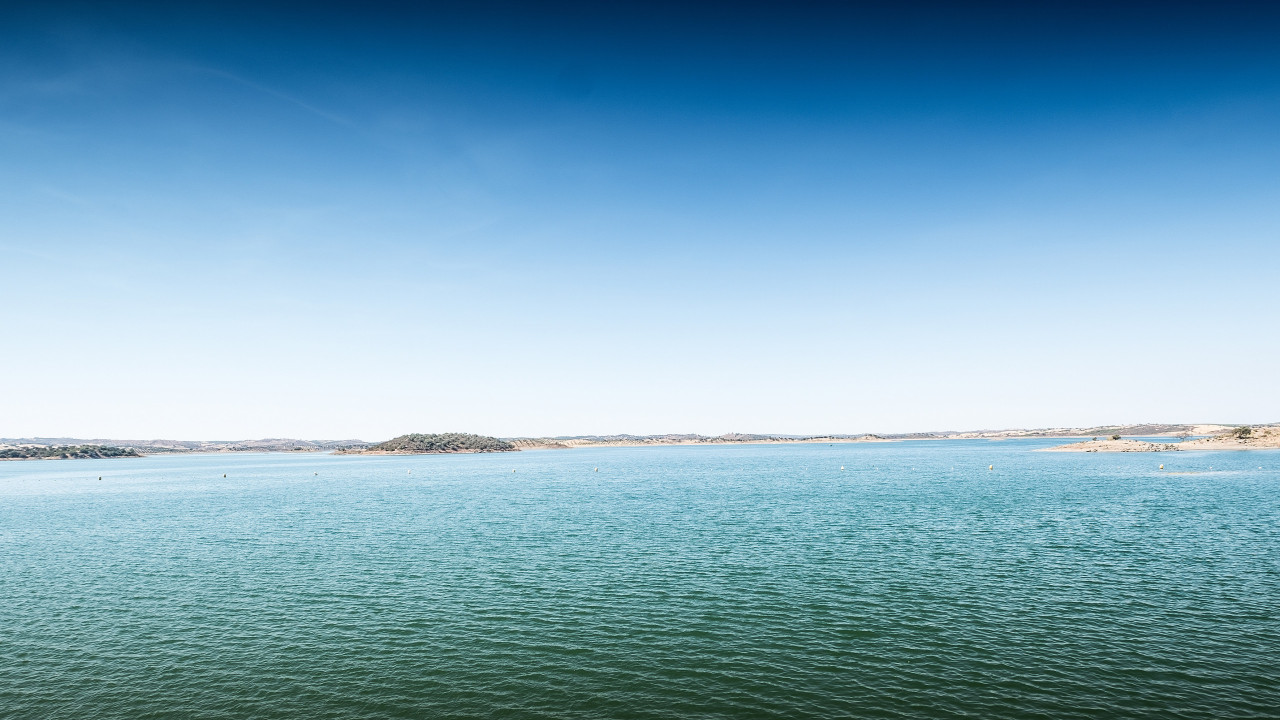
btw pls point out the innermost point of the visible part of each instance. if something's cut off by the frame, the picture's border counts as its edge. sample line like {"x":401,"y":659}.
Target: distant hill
{"x":421,"y":444}
{"x":65,"y":452}
{"x":681,"y":439}
{"x":1143,"y":430}
{"x":57,"y":447}
{"x":161,"y":447}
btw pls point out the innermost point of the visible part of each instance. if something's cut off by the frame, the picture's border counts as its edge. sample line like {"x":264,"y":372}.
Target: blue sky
{"x":225,"y":222}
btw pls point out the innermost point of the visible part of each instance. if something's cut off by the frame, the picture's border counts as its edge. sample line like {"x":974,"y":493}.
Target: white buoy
{"x":991,"y":467}
{"x":841,"y":467}
{"x":1161,"y":466}
{"x":595,"y":469}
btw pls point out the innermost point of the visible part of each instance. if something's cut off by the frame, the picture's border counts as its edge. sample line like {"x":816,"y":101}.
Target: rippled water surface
{"x":748,"y":581}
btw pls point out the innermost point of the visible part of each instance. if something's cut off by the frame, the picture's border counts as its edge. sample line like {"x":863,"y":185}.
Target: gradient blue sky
{"x":326,"y":222}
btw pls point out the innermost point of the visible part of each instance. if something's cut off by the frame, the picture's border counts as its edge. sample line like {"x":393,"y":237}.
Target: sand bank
{"x":1265,"y":437}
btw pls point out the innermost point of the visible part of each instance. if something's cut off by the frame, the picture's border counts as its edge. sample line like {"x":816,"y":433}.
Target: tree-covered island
{"x":422,"y":444}
{"x":65,"y":452}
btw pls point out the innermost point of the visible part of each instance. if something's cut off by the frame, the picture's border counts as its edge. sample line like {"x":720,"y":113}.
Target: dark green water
{"x":753,"y":581}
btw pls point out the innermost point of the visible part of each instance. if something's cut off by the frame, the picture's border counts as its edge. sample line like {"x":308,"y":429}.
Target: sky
{"x":323,"y":221}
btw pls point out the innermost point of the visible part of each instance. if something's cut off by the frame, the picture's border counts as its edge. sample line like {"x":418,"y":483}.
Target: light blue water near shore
{"x":723,"y":581}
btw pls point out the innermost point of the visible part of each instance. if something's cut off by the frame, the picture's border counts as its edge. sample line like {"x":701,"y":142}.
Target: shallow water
{"x":722,"y":581}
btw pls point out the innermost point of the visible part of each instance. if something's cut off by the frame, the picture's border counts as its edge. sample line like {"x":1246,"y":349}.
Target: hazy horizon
{"x":274,"y":221}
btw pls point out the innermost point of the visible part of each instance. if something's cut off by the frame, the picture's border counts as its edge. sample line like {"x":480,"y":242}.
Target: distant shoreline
{"x":1263,"y":437}
{"x":566,"y":443}
{"x":1207,"y":437}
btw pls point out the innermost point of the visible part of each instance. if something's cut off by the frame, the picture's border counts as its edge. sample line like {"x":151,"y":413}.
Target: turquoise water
{"x":745,"y":581}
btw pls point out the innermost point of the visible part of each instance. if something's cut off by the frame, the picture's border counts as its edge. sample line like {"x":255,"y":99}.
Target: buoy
{"x":595,"y":469}
{"x":315,"y":473}
{"x":991,"y":467}
{"x":1162,"y":466}
{"x":841,"y":467}
{"x":513,"y":469}
{"x":224,"y":474}
{"x":100,"y":477}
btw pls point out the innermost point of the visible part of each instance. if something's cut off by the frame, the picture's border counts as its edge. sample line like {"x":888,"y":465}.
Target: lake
{"x":654,"y":582}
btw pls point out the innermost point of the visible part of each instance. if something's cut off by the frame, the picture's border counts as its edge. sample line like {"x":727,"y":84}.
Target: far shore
{"x":1116,"y":438}
{"x":563,"y":443}
{"x":1241,"y":438}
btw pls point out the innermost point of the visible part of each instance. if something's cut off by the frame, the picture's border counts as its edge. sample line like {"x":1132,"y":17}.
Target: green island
{"x":421,"y":444}
{"x":65,"y":452}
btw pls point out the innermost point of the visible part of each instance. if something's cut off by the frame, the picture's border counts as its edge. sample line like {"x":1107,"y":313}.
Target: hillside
{"x":1142,"y":429}
{"x":422,"y":444}
{"x":680,"y":439}
{"x":164,"y":447}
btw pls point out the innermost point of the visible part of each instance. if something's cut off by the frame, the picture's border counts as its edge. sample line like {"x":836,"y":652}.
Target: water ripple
{"x":753,"y":581}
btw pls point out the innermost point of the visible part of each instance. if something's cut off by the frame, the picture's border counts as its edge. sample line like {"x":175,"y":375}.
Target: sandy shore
{"x":1257,"y":438}
{"x":1115,"y":446}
